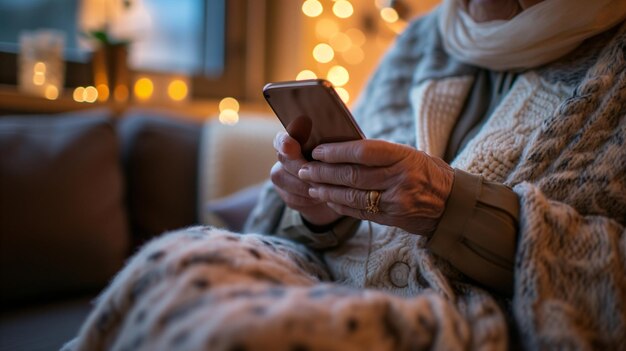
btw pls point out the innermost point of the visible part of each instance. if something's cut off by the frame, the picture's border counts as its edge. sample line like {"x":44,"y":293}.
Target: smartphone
{"x":312,"y":113}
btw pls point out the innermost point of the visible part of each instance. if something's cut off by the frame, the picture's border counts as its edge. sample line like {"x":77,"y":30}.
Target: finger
{"x":365,"y":152}
{"x":295,"y":201}
{"x":353,"y":198}
{"x":286,"y":145}
{"x":348,"y":175}
{"x":292,"y":166}
{"x":288,"y":182}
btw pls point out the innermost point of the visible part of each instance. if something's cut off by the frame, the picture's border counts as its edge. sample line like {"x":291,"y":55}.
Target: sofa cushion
{"x":62,"y":221}
{"x":160,"y":156}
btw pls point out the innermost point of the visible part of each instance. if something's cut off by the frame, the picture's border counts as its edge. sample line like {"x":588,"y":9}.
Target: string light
{"x":343,"y":94}
{"x":120,"y":93}
{"x":338,"y":75}
{"x":229,"y":108}
{"x":144,"y":88}
{"x":323,"y":53}
{"x":340,"y":42}
{"x":103,"y":92}
{"x":306,"y":74}
{"x":229,"y":117}
{"x":177,"y":90}
{"x":85,"y":94}
{"x":325,"y":28}
{"x":343,"y":8}
{"x":229,"y":103}
{"x":389,"y":15}
{"x":51,"y":93}
{"x":312,"y":8}
{"x":79,"y":94}
{"x":91,"y":94}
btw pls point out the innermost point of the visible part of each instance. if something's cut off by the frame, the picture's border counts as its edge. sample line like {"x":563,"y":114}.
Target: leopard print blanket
{"x":204,"y":288}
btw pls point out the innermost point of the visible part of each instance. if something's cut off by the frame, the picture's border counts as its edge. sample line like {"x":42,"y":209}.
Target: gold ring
{"x":373,"y":199}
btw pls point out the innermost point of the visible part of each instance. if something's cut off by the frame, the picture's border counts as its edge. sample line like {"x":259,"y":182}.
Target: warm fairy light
{"x":340,"y":42}
{"x":177,"y":90}
{"x":120,"y":93}
{"x":389,"y":15}
{"x":39,"y":68}
{"x":91,"y":94}
{"x":343,"y":8}
{"x":323,"y":53}
{"x":357,"y":36}
{"x":343,"y":94}
{"x":103,"y":92}
{"x":306,"y":74}
{"x":325,"y":28}
{"x":51,"y":93}
{"x":144,"y":88}
{"x":354,"y":55}
{"x":229,"y":103}
{"x":338,"y":75}
{"x":229,"y":117}
{"x":39,"y":73}
{"x":39,"y":79}
{"x":312,"y":8}
{"x":79,"y":94}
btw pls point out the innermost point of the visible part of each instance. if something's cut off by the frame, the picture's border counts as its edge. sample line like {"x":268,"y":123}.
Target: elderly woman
{"x":485,"y":211}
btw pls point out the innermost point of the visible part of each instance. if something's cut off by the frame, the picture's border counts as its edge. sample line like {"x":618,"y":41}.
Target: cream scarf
{"x":538,"y":35}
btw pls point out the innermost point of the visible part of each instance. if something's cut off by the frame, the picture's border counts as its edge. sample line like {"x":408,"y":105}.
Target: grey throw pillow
{"x":63,"y":227}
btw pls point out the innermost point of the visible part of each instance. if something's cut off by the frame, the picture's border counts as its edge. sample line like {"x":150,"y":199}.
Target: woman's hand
{"x":414,"y":186}
{"x":293,"y":190}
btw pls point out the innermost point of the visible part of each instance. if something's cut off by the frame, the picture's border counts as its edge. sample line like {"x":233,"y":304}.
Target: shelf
{"x":14,"y":102}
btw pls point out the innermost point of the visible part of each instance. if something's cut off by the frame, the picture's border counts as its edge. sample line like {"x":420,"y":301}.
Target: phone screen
{"x":312,"y":113}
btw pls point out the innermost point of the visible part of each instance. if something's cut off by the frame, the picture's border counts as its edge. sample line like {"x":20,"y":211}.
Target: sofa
{"x":80,"y":192}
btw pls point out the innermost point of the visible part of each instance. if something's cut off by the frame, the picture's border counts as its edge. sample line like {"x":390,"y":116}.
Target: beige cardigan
{"x":557,"y":139}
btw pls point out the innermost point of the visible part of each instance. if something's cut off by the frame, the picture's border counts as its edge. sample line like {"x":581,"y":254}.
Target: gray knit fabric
{"x":203,"y":288}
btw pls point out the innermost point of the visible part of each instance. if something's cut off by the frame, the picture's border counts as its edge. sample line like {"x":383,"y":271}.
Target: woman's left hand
{"x":413,"y":186}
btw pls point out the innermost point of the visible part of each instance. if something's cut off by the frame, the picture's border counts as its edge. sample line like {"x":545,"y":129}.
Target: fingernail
{"x":304,"y":172}
{"x":313,"y":192}
{"x":318,"y":152}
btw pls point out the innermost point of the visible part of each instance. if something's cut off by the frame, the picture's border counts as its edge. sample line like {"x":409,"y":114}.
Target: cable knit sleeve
{"x":478,"y":231}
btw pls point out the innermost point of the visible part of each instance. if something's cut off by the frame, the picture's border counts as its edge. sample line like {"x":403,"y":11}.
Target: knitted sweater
{"x":557,"y":139}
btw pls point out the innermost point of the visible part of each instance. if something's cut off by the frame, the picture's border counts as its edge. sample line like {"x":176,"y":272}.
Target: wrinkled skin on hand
{"x":414,"y":185}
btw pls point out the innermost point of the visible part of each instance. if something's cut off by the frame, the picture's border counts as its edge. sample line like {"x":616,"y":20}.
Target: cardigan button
{"x":399,"y":274}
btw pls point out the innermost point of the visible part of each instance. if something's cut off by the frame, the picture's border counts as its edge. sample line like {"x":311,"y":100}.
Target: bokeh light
{"x":177,"y":90}
{"x":338,"y":75}
{"x":52,"y":92}
{"x":229,"y":117}
{"x":343,"y":9}
{"x":306,"y":74}
{"x":312,"y":8}
{"x":144,"y":88}
{"x":325,"y":28}
{"x":103,"y":92}
{"x":229,"y":103}
{"x":323,"y":53}
{"x":340,"y":42}
{"x":357,"y":36}
{"x":389,"y":15}
{"x":343,"y":94}
{"x":79,"y":94}
{"x":90,"y":94}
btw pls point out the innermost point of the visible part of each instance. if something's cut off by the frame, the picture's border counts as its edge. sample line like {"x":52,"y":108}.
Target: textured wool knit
{"x":558,"y":139}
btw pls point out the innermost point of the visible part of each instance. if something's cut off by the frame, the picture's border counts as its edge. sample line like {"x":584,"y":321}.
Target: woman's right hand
{"x":291,"y":189}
